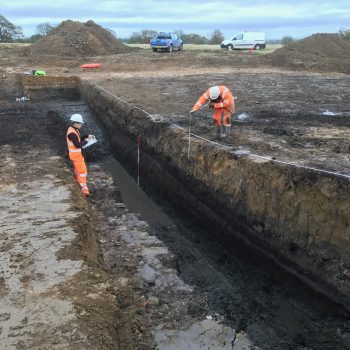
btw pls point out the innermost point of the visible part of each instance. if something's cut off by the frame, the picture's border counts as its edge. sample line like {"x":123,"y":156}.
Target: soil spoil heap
{"x":318,"y":52}
{"x":72,"y":39}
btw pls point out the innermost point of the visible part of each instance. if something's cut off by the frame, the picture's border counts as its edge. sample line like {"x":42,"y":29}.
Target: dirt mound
{"x":71,"y":39}
{"x":319,"y":52}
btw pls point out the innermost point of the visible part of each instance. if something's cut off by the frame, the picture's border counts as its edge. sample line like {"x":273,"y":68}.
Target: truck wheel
{"x":154,"y":49}
{"x":257,"y":47}
{"x":170,"y":48}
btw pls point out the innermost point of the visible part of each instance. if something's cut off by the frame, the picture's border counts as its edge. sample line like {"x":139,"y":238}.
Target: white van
{"x":245,"y":40}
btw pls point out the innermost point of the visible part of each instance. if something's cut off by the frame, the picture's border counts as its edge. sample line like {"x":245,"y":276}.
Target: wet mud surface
{"x":207,"y":283}
{"x":54,"y":290}
{"x":293,"y":117}
{"x":259,"y":309}
{"x":301,"y":207}
{"x":163,"y":284}
{"x":298,"y":117}
{"x":146,"y":278}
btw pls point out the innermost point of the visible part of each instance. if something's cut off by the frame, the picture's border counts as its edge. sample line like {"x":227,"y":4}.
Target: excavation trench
{"x":294,"y":216}
{"x":227,"y":213}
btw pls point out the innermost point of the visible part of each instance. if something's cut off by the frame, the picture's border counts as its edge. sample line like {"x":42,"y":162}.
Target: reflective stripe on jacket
{"x":74,"y":153}
{"x":227,"y":100}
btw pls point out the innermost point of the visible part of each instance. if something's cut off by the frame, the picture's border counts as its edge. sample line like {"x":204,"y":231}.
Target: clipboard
{"x":90,"y":142}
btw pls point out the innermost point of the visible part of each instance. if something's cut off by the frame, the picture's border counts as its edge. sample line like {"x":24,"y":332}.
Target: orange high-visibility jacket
{"x":74,"y":153}
{"x":227,"y":100}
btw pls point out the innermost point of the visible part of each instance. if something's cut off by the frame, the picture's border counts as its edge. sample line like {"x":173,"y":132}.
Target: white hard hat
{"x":214,"y":92}
{"x":77,"y":118}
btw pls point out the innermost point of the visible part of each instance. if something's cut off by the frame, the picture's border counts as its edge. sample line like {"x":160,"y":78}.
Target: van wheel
{"x":170,"y":48}
{"x":230,"y":47}
{"x":257,"y":47}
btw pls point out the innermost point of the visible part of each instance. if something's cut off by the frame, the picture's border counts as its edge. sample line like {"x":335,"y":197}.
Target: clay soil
{"x":300,"y":117}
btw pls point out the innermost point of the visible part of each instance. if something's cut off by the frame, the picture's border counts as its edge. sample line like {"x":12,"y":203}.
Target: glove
{"x":192,"y":111}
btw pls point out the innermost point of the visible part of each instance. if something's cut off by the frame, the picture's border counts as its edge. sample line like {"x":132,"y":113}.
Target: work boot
{"x":223,"y":130}
{"x":227,"y":131}
{"x":216,"y":133}
{"x":90,"y":198}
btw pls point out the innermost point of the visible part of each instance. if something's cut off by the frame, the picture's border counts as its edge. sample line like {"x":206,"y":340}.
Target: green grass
{"x":190,"y":47}
{"x":13,"y":44}
{"x":269,"y":48}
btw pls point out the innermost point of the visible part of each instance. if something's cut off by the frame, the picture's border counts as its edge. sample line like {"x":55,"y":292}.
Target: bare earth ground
{"x":297,"y":117}
{"x":89,"y":275}
{"x":53,"y":287}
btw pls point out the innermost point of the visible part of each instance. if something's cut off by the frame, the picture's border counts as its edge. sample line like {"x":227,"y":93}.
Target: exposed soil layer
{"x":136,"y":294}
{"x":294,"y":117}
{"x":71,"y":39}
{"x":54,"y":287}
{"x":271,"y":204}
{"x":318,"y":52}
{"x":68,"y":44}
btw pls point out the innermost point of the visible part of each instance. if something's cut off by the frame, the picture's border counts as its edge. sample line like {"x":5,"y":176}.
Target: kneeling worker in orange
{"x":223,"y":102}
{"x":75,"y":142}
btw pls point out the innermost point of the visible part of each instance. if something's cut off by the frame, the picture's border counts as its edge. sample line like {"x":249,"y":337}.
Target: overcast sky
{"x":298,"y":18}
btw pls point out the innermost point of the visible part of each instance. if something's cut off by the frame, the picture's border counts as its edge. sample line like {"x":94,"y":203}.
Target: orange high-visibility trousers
{"x":217,"y":117}
{"x":80,"y":174}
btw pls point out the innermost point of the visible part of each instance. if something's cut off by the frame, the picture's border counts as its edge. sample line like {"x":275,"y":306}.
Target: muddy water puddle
{"x":226,"y":303}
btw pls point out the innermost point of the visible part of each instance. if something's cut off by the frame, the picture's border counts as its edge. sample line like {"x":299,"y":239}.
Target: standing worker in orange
{"x":222,"y":101}
{"x":75,"y":143}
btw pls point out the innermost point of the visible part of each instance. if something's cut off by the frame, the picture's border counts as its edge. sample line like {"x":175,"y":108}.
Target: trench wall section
{"x":296,"y":217}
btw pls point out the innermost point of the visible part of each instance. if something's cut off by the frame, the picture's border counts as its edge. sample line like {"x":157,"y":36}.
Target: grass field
{"x":13,"y":44}
{"x":269,"y":48}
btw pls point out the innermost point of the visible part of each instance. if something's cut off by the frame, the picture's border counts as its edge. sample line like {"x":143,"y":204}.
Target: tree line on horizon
{"x":144,"y":37}
{"x":12,"y":33}
{"x":9,"y":32}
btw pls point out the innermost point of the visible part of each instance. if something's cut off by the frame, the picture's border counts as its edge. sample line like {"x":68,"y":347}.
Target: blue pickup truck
{"x":166,"y":42}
